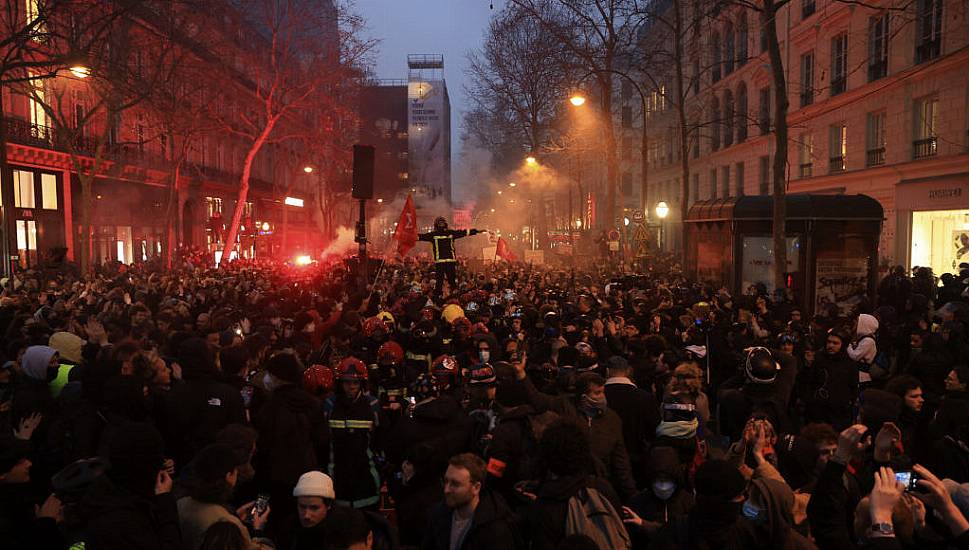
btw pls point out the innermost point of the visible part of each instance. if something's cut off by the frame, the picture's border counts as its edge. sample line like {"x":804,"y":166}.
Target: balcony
{"x":875,"y":157}
{"x":923,"y":148}
{"x":836,"y":164}
{"x":805,"y":169}
{"x":838,"y":85}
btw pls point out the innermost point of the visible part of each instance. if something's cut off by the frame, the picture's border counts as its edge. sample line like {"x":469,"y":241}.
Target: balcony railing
{"x":836,"y":164}
{"x":875,"y":157}
{"x":805,"y":169}
{"x":877,"y":69}
{"x":927,"y":147}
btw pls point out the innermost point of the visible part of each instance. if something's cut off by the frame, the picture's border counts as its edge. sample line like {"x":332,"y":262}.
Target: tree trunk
{"x":612,"y":160}
{"x":780,"y":156}
{"x":171,"y":217}
{"x":684,"y":130}
{"x":230,"y":238}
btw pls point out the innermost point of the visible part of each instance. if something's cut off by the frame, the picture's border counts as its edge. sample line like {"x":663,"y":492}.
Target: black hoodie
{"x":492,"y":527}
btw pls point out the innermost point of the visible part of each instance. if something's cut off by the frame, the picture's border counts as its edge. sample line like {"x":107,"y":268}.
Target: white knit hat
{"x":314,"y":484}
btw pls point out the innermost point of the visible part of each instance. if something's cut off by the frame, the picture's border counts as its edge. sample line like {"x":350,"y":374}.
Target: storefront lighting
{"x":80,"y":71}
{"x":265,"y":226}
{"x":293,"y":201}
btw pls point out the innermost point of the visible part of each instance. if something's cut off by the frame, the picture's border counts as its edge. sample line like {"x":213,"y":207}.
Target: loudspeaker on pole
{"x":363,"y":171}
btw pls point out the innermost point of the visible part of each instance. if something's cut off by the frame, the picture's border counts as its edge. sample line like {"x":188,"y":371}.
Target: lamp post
{"x":662,"y":210}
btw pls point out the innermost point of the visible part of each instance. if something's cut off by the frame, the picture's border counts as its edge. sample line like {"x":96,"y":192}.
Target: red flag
{"x":406,"y":232}
{"x":503,"y":252}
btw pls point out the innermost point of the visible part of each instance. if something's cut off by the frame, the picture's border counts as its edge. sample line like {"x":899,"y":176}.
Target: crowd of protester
{"x":261,"y":405}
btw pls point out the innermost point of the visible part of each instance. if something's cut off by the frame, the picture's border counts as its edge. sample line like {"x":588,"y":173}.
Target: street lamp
{"x":512,"y":184}
{"x":531,"y":161}
{"x":662,"y":210}
{"x":308,"y":169}
{"x":577,"y":100}
{"x":80,"y":71}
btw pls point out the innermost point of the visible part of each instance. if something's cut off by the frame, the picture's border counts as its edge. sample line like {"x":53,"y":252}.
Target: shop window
{"x":27,"y":242}
{"x":939,"y":239}
{"x":48,"y":187}
{"x":23,"y":189}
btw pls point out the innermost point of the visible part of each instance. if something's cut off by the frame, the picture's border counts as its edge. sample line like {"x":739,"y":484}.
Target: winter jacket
{"x":196,"y":517}
{"x":415,"y":501}
{"x":291,"y":432}
{"x":439,"y":421}
{"x":352,"y":425}
{"x":492,"y":527}
{"x":117,"y":518}
{"x":197,"y":410}
{"x":834,"y":390}
{"x":639,"y":413}
{"x":19,"y":529}
{"x":605,"y":436}
{"x":863,"y":349}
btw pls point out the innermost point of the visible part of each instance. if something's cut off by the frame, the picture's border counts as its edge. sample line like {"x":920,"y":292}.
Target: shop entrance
{"x":940,"y":240}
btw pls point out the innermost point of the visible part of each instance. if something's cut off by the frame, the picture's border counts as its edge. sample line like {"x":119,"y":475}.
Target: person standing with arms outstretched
{"x":442,"y":245}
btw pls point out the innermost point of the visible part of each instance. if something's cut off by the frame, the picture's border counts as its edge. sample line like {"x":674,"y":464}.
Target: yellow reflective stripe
{"x":338,"y":424}
{"x":395,"y":392}
{"x":360,"y":424}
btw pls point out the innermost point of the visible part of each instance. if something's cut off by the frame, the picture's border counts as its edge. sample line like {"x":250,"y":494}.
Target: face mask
{"x":750,"y":511}
{"x":593,"y":405}
{"x":267,"y":381}
{"x":484,"y":355}
{"x":664,"y":489}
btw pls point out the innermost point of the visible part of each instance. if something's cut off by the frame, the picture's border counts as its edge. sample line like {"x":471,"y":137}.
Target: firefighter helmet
{"x":440,"y":223}
{"x":444,"y":366}
{"x":352,"y":368}
{"x":374,"y":326}
{"x":318,"y":379}
{"x":390,"y":353}
{"x":452,"y":312}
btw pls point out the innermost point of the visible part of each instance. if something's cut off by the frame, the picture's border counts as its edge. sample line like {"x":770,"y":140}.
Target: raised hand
{"x":27,"y":425}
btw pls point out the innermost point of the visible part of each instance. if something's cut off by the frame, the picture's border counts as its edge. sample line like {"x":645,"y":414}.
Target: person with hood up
{"x":69,"y":346}
{"x":416,"y":490}
{"x":40,"y":365}
{"x":200,"y":406}
{"x":471,"y":517}
{"x":833,"y":384}
{"x":863,"y":347}
{"x":132,"y":505}
{"x":292,"y":433}
{"x":666,"y":497}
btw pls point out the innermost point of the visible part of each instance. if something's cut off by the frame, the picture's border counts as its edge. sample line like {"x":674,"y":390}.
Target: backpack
{"x":592,"y":515}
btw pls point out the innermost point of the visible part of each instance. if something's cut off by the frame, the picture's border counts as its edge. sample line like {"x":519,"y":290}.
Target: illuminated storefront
{"x":933,"y":221}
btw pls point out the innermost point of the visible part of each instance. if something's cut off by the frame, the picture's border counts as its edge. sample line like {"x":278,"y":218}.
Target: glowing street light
{"x":577,"y":100}
{"x":625,"y":221}
{"x":662,"y":210}
{"x":531,"y":161}
{"x":492,"y":210}
{"x":80,"y":71}
{"x":499,"y":191}
{"x":512,"y":184}
{"x":380,"y":200}
{"x":303,"y":260}
{"x":293,"y":201}
{"x":578,"y":223}
{"x":308,"y":169}
{"x":265,"y":226}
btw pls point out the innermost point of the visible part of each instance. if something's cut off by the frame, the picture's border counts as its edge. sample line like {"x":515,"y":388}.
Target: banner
{"x":406,"y":232}
{"x":840,"y":281}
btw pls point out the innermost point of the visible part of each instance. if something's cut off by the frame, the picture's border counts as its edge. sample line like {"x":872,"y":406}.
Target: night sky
{"x":448,"y":27}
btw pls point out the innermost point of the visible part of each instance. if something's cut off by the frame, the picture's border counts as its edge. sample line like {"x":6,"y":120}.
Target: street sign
{"x":641,"y":238}
{"x":638,"y":216}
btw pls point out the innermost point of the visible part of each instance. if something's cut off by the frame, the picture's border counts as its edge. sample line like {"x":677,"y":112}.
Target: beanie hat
{"x":314,"y":484}
{"x":719,"y":479}
{"x":68,"y":345}
{"x":878,"y":407}
{"x":285,"y":367}
{"x":214,"y":461}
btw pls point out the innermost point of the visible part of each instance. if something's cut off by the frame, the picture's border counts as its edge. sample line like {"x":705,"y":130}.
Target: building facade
{"x":878,"y":98}
{"x":132,"y":193}
{"x":428,"y":127}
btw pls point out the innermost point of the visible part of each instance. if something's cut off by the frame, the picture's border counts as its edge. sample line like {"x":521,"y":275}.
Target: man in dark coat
{"x":469,"y":518}
{"x":636,"y":408}
{"x":445,"y":260}
{"x":201,"y":406}
{"x":132,"y":505}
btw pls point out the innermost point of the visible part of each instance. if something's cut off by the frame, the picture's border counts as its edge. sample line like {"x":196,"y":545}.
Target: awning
{"x":799,"y":207}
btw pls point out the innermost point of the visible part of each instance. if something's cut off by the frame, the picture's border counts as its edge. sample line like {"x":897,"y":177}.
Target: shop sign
{"x":951,"y":193}
{"x":840,"y":281}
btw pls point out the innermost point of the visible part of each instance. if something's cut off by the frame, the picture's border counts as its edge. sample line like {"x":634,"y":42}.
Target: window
{"x":926,"y":127}
{"x":738,"y":172}
{"x":715,"y":121}
{"x":742,"y":38}
{"x":39,"y":120}
{"x":742,"y":113}
{"x":807,"y":8}
{"x":27,"y":242}
{"x":839,"y":64}
{"x":23,"y":189}
{"x":806,"y":156}
{"x":48,"y":191}
{"x":213,"y":206}
{"x":725,"y":180}
{"x":875,"y":139}
{"x":807,"y":79}
{"x":729,"y":51}
{"x":626,"y":90}
{"x":877,"y":47}
{"x":713,"y":183}
{"x":247,"y":210}
{"x":715,"y":56}
{"x":765,"y":109}
{"x":695,"y":187}
{"x":928,"y":30}
{"x":764,"y":162}
{"x":838,"y":147}
{"x":627,"y":117}
{"x":627,"y":184}
{"x":32,"y":13}
{"x":728,"y":118}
